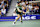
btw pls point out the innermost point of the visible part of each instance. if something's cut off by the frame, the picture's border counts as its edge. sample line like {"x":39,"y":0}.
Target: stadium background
{"x":10,"y":9}
{"x":6,"y":20}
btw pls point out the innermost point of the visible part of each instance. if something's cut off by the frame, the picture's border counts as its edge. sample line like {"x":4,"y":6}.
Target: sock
{"x":21,"y":20}
{"x":15,"y":21}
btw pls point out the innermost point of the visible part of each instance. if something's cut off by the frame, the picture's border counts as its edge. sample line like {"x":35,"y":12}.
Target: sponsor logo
{"x":27,"y":17}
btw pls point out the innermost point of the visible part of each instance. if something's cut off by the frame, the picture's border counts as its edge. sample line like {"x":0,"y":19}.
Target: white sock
{"x":20,"y":20}
{"x":15,"y":21}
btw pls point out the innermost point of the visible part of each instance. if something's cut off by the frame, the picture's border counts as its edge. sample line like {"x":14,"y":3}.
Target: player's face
{"x":19,"y":4}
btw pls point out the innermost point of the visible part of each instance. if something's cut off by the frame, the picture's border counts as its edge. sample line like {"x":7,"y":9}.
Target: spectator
{"x":1,"y":4}
{"x":26,"y":2}
{"x":23,"y":3}
{"x":36,"y":8}
{"x":3,"y":11}
{"x":30,"y":6}
{"x":6,"y":5}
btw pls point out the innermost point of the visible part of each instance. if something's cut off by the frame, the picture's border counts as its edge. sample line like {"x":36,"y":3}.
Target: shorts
{"x":20,"y":13}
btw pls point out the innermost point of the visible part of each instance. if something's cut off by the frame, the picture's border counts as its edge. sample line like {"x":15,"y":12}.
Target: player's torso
{"x":20,"y":8}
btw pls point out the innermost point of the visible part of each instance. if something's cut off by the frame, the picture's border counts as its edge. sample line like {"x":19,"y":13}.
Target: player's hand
{"x":23,"y":12}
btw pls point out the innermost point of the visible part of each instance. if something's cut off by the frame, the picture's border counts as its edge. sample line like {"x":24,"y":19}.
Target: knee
{"x":18,"y":16}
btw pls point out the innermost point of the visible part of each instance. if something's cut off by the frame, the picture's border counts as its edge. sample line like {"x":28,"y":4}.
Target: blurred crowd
{"x":4,"y":5}
{"x":32,"y":7}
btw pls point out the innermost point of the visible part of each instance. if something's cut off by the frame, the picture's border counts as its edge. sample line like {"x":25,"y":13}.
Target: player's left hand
{"x":23,"y":12}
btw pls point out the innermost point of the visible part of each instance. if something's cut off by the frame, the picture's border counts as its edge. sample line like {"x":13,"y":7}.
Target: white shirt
{"x":23,"y":3}
{"x":3,"y":11}
{"x":30,"y":7}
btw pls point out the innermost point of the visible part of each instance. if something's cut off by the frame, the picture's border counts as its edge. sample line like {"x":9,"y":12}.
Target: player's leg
{"x":17,"y":18}
{"x":21,"y":19}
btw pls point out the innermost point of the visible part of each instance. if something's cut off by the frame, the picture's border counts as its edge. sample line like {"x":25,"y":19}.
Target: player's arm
{"x":19,"y":10}
{"x":24,"y":12}
{"x":27,"y":11}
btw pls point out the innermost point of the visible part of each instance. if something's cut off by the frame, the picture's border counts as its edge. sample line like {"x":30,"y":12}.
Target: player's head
{"x":18,"y":3}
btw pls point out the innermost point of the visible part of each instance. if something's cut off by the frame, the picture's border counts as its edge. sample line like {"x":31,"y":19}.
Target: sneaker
{"x":21,"y":21}
{"x":14,"y":22}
